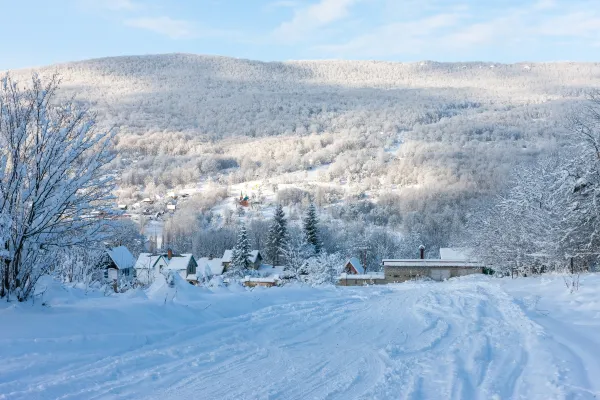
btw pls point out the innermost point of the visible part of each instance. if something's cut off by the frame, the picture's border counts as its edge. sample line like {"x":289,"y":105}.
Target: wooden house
{"x":183,"y":264}
{"x":118,"y":264}
{"x":354,"y":267}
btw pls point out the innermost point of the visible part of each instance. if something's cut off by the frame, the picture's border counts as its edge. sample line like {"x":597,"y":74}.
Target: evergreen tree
{"x":311,"y":230}
{"x":277,"y":238}
{"x":241,"y":252}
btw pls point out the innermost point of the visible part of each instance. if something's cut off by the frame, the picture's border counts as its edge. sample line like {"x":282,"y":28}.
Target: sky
{"x":42,"y":32}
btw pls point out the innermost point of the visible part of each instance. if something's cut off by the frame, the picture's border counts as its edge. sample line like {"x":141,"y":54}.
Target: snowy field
{"x":468,"y":338}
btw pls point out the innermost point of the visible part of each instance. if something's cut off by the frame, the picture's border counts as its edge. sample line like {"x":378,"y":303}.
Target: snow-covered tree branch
{"x":54,"y":190}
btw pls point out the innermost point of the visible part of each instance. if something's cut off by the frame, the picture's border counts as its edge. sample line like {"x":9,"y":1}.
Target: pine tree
{"x":311,"y":230}
{"x":277,"y":238}
{"x":241,"y":252}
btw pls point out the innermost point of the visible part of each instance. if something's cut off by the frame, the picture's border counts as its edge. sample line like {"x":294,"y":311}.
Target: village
{"x":121,"y":268}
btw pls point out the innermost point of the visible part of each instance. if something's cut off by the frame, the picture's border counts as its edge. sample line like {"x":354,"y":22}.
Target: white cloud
{"x":173,"y":28}
{"x":308,"y":19}
{"x":542,"y":21}
{"x":397,"y":38}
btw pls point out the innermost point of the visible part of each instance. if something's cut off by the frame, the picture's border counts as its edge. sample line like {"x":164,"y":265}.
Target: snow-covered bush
{"x":324,"y":269}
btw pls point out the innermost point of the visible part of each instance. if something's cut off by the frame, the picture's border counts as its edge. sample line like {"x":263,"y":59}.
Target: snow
{"x":211,"y":266}
{"x":227,"y":256}
{"x":473,"y":337}
{"x":456,"y":254}
{"x":179,"y":262}
{"x":122,"y":257}
{"x":272,"y":279}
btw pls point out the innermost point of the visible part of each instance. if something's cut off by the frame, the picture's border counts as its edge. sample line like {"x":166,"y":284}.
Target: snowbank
{"x":469,"y":337}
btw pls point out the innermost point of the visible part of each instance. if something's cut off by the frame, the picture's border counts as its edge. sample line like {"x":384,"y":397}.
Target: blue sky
{"x":40,"y":32}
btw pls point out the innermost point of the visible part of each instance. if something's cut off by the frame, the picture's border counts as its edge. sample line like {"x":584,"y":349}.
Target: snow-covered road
{"x":473,"y":338}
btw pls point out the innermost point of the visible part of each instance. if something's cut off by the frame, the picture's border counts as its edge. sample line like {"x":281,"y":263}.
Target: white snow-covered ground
{"x":468,"y":338}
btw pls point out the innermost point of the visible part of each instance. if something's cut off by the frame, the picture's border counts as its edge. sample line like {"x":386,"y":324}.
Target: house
{"x":122,"y":206}
{"x":209,"y":267}
{"x":118,"y":263}
{"x":438,"y":270}
{"x":171,"y":207}
{"x":354,"y":267}
{"x":147,"y":200}
{"x":254,"y":257}
{"x":148,"y":266}
{"x":184,"y":264}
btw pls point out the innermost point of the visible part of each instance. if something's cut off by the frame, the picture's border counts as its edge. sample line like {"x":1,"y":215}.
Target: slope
{"x":467,"y":338}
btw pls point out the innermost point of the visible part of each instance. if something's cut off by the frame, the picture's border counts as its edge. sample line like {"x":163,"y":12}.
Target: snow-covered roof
{"x":179,"y":262}
{"x":253,"y":256}
{"x":228,"y":256}
{"x":431,"y":263}
{"x":213,"y":267}
{"x":372,"y":275}
{"x":148,"y":260}
{"x":121,"y":256}
{"x":355,"y":262}
{"x":456,"y":253}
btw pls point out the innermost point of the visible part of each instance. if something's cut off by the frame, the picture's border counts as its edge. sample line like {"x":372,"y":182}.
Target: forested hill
{"x":218,"y":96}
{"x":404,"y":146}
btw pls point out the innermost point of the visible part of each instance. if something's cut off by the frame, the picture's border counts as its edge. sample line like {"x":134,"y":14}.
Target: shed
{"x":184,"y":264}
{"x":118,"y":263}
{"x":354,"y":267}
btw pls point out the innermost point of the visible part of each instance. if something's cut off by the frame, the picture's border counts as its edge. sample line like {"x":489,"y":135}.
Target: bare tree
{"x":53,"y":188}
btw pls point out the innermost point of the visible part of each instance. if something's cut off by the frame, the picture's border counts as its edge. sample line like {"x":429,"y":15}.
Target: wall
{"x":360,"y":282}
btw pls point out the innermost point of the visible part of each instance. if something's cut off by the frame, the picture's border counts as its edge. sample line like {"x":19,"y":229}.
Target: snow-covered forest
{"x":384,"y":149}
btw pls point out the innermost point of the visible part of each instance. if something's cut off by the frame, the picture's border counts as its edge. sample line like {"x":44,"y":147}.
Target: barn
{"x":437,"y":269}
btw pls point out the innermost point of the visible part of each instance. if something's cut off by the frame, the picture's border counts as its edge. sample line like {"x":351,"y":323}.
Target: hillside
{"x":406,"y":145}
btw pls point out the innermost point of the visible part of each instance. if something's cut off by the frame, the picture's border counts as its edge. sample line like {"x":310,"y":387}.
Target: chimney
{"x":169,"y":254}
{"x":422,"y":252}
